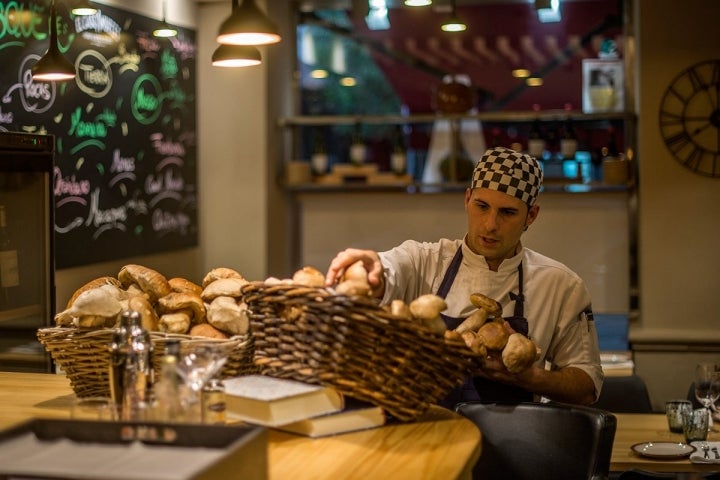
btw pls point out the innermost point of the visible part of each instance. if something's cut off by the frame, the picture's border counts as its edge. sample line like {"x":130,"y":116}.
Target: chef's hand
{"x":493,"y":367}
{"x":371,"y":262}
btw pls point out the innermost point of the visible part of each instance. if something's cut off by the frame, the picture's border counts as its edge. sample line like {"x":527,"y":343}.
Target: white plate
{"x":664,"y":450}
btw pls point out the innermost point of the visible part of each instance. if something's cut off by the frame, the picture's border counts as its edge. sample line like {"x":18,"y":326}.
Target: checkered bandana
{"x":508,"y":171}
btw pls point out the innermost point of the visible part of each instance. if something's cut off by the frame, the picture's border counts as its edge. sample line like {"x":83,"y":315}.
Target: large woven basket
{"x":84,"y":355}
{"x":354,"y":345}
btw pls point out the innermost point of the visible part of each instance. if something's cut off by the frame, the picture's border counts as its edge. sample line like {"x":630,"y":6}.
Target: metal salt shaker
{"x":137,"y":374}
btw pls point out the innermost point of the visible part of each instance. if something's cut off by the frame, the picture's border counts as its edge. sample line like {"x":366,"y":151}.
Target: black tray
{"x":75,"y":450}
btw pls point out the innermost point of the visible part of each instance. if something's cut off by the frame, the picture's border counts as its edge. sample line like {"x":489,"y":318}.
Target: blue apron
{"x":478,"y":388}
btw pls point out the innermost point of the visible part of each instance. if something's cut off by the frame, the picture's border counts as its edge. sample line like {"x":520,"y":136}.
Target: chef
{"x":541,"y":298}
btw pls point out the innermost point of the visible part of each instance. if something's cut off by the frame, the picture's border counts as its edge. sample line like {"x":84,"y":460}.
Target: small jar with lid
{"x":213,"y":402}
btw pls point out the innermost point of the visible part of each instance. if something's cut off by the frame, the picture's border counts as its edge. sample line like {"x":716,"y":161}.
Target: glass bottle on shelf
{"x":536,"y":141}
{"x":568,"y":140}
{"x":9,"y":273}
{"x":357,"y":147}
{"x":319,"y":158}
{"x":398,"y":158}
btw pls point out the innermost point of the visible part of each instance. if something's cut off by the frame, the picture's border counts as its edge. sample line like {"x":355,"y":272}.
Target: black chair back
{"x":627,"y":394}
{"x":541,"y":441}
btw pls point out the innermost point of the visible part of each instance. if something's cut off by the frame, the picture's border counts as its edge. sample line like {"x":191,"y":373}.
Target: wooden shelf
{"x":518,"y":116}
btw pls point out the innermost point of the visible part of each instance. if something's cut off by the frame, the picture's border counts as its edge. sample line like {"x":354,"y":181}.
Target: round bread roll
{"x":494,"y":335}
{"x":356,"y":271}
{"x":309,"y":277}
{"x":519,"y":353}
{"x":207,"y":330}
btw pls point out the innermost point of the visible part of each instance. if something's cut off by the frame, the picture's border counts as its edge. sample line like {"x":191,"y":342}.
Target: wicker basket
{"x":84,"y":355}
{"x":353,"y":345}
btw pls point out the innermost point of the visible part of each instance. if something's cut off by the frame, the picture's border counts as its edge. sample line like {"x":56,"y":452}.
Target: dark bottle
{"x":398,"y":158}
{"x":357,"y":147}
{"x":457,"y":166}
{"x":9,"y":273}
{"x":568,"y":140}
{"x":319,"y":159}
{"x":536,"y":140}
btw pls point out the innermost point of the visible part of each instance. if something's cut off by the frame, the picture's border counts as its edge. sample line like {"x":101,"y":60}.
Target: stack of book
{"x":297,"y":407}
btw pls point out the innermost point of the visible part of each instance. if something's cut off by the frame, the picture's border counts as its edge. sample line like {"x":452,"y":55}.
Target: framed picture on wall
{"x":603,"y":85}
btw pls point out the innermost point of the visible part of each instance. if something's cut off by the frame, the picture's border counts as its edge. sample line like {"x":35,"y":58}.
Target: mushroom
{"x":427,"y":308}
{"x":151,"y":282}
{"x":486,"y":308}
{"x":218,"y":273}
{"x":519,"y":353}
{"x":494,"y":335}
{"x":309,"y":277}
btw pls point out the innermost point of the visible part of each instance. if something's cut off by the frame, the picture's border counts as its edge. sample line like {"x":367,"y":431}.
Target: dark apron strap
{"x":478,"y":388}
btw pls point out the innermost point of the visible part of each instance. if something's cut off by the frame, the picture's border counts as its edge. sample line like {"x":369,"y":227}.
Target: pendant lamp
{"x":247,"y":25}
{"x":165,"y":30}
{"x":454,"y":24}
{"x":236,"y":56}
{"x":53,"y":66}
{"x":83,"y":8}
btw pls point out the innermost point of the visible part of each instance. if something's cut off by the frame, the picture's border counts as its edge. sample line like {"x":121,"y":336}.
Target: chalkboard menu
{"x":125,"y":180}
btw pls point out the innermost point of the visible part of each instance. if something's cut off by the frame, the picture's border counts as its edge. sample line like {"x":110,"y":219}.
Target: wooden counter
{"x":635,"y":428}
{"x":441,"y":445}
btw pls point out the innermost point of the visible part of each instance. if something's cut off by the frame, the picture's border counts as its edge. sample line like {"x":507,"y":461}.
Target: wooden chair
{"x":628,"y":394}
{"x":539,"y":441}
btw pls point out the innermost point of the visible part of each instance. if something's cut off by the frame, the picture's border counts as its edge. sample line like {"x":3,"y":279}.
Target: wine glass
{"x":707,"y":385}
{"x":196,"y":369}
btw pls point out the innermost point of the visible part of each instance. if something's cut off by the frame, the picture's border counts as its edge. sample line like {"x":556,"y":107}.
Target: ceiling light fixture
{"x":521,"y":73}
{"x":53,"y":66}
{"x":165,"y":30}
{"x":236,"y":56}
{"x":418,"y":3}
{"x":534,"y":81}
{"x":83,"y":8}
{"x":247,"y":25}
{"x":454,"y":24}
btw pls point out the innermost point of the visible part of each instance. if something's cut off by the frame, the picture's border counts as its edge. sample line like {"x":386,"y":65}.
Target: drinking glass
{"x":707,"y":385}
{"x":196,"y":369}
{"x":94,"y":408}
{"x":674,"y":410}
{"x":696,"y":425}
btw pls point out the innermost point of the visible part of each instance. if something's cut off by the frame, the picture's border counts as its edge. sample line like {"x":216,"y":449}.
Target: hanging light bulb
{"x":83,"y":8}
{"x":247,"y":25}
{"x":53,"y":66}
{"x":165,"y":30}
{"x":236,"y":56}
{"x":454,"y":24}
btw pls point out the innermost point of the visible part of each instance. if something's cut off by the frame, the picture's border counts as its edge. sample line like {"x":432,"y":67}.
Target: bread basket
{"x":84,"y":355}
{"x":354,"y":345}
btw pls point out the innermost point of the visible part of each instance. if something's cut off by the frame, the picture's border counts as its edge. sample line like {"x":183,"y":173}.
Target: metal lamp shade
{"x":236,"y":56}
{"x":247,"y":25}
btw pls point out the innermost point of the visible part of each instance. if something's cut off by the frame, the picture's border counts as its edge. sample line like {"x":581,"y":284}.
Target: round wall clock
{"x":690,"y":118}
